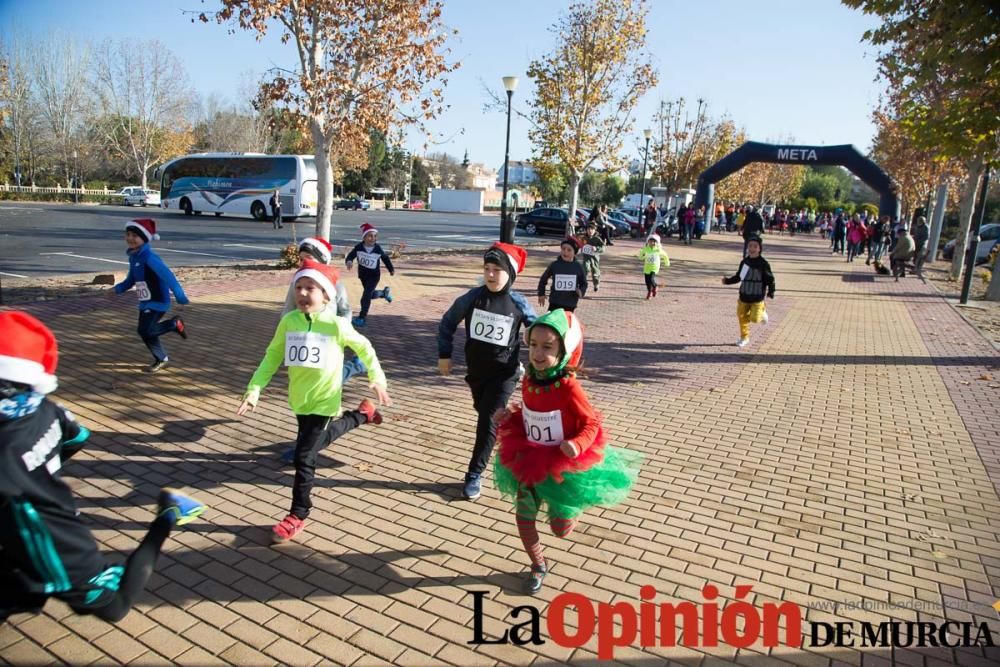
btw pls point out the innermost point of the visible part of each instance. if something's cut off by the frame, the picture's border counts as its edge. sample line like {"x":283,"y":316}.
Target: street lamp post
{"x":76,"y":178}
{"x":642,"y":198}
{"x":506,"y":225}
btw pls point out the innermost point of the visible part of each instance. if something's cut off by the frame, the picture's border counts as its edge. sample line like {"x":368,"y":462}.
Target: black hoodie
{"x":755,"y":278}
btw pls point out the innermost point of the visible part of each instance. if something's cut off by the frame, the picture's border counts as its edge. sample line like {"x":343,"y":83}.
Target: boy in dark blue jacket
{"x":153,"y":282}
{"x":370,"y":257}
{"x":46,"y":548}
{"x":493,"y":314}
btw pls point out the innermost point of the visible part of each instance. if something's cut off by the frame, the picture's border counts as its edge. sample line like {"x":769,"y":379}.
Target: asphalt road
{"x":39,"y":240}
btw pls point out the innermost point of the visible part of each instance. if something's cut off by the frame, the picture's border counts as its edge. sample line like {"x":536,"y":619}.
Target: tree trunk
{"x":993,"y":291}
{"x":968,"y":205}
{"x":324,"y":179}
{"x":574,"y":196}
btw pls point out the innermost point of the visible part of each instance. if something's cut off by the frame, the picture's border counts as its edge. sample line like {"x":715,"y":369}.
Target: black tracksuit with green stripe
{"x":45,"y":549}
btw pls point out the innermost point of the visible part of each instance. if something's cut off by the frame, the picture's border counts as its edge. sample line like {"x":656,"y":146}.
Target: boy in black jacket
{"x":755,"y":279}
{"x":370,"y":257}
{"x":46,"y":549}
{"x":493,"y":314}
{"x":569,"y":282}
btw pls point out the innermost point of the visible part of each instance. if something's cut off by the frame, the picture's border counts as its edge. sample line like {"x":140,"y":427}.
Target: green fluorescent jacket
{"x":315,"y":391}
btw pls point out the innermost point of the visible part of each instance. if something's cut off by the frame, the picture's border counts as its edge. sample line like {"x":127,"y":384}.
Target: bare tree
{"x":60,"y":72}
{"x":20,"y":113}
{"x":142,"y":92}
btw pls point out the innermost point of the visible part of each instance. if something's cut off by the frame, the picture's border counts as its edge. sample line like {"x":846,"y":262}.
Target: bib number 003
{"x":306,"y":349}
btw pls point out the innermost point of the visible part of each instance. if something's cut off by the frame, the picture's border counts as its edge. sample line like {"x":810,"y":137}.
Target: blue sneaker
{"x":473,"y":486}
{"x":181,"y":508}
{"x":358,"y":321}
{"x":353,"y":367}
{"x":288,"y":456}
{"x":387,"y":294}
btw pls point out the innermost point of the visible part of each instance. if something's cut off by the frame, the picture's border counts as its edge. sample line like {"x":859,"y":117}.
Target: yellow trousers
{"x":747,"y":313}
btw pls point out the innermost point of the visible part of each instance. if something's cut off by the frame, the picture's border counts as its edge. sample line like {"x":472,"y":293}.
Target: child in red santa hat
{"x":311,"y":341}
{"x":153,"y":282}
{"x":553,"y":450}
{"x":493,"y":314}
{"x":370,"y":256}
{"x":46,"y":549}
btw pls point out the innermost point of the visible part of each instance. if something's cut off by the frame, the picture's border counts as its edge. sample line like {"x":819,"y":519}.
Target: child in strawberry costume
{"x":553,"y":449}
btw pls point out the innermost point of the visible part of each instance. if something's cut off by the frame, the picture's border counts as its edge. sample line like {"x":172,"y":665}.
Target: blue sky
{"x":776,"y":67}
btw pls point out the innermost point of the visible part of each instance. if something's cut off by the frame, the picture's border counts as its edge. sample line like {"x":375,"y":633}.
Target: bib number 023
{"x":490,"y":327}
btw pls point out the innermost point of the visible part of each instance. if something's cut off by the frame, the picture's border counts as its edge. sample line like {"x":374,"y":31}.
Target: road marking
{"x":206,"y":254}
{"x":254,"y":247}
{"x":447,"y":236}
{"x":12,"y":275}
{"x":98,"y":259}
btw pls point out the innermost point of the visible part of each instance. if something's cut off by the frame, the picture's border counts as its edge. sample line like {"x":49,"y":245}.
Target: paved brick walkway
{"x":851,"y":452}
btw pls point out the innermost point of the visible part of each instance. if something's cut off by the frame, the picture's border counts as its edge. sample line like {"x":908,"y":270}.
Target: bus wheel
{"x":218,"y":214}
{"x":186,"y":206}
{"x":258,"y":211}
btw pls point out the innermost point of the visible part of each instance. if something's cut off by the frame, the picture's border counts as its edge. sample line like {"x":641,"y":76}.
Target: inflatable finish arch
{"x":844,"y":156}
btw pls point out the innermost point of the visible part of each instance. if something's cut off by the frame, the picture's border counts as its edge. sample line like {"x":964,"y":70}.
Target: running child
{"x":46,"y":548}
{"x":755,"y":279}
{"x":153,"y":282}
{"x":652,"y":255}
{"x":591,"y":251}
{"x":319,"y":249}
{"x":569,"y":282}
{"x":554,"y":451}
{"x":370,"y":257}
{"x":493,"y":314}
{"x":310,"y":341}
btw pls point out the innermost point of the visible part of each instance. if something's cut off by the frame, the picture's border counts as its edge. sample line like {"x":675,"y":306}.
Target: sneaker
{"x":182,"y":509}
{"x":288,"y":456}
{"x":287,"y":528}
{"x":372,"y":415}
{"x":595,"y":288}
{"x":180,"y":327}
{"x":157,"y":366}
{"x":654,"y":291}
{"x":764,"y":318}
{"x":649,"y":294}
{"x":533,"y":583}
{"x":743,"y":342}
{"x":473,"y":486}
{"x":358,"y":321}
{"x":387,"y":294}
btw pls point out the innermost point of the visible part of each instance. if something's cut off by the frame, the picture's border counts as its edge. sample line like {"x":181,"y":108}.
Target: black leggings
{"x":488,"y":396}
{"x":315,"y":433}
{"x":650,"y":281}
{"x":138,"y":569}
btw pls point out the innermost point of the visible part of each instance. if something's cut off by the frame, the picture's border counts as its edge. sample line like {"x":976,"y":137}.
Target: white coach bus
{"x":239,"y":184}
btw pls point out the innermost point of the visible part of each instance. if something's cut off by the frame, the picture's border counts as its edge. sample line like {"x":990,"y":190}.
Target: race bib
{"x":306,"y":349}
{"x":490,"y":327}
{"x":653,"y":261}
{"x":142,"y":291}
{"x":565,"y":283}
{"x":543,"y":428}
{"x":368,"y":260}
{"x":589,"y":250}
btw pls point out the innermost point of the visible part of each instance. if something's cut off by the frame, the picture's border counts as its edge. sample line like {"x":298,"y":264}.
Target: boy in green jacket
{"x":311,"y":341}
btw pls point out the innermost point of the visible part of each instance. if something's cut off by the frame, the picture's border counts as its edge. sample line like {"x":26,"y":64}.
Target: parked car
{"x":629,"y":216}
{"x":135,"y":195}
{"x":622,"y":227}
{"x":543,"y":221}
{"x":989,"y":235}
{"x":355,"y":203}
{"x":152,"y":197}
{"x":415,"y":205}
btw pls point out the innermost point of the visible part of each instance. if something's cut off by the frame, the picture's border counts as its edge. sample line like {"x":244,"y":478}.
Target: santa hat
{"x":325,"y":276}
{"x":144,"y":227}
{"x":367,"y":229}
{"x":567,"y":326}
{"x":318,"y":247}
{"x":28,"y":352}
{"x":508,"y":256}
{"x":572,"y":243}
{"x":653,"y":237}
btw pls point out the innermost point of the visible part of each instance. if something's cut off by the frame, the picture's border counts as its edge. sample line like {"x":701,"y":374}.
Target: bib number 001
{"x":543,"y":428}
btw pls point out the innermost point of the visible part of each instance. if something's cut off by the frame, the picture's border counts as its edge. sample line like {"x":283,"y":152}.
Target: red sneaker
{"x":367,"y":408}
{"x":287,"y":528}
{"x":654,"y":291}
{"x":181,"y":329}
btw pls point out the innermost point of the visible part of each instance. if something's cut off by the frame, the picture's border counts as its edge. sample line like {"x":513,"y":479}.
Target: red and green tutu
{"x":602,"y":475}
